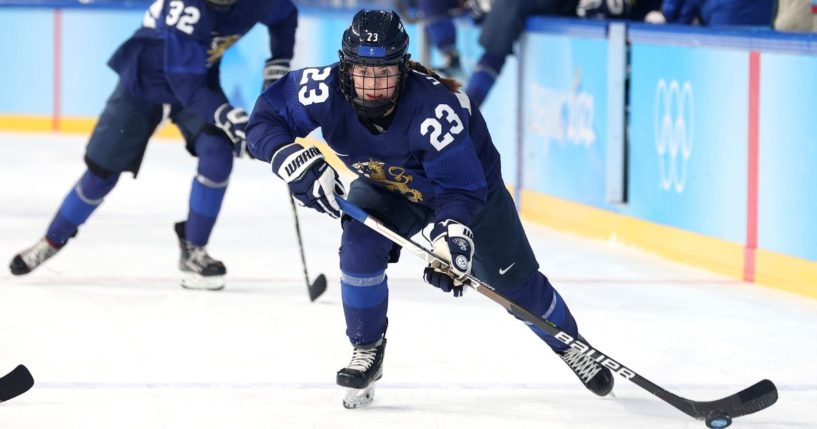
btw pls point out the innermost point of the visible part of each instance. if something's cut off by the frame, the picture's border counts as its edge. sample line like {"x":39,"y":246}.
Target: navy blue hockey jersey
{"x":720,"y":12}
{"x":174,"y":57}
{"x":436,"y":152}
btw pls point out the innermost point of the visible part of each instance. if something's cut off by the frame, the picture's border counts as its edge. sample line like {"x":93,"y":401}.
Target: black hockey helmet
{"x":375,"y":38}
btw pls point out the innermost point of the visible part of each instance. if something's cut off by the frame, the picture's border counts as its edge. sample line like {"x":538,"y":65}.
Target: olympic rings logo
{"x":674,"y":129}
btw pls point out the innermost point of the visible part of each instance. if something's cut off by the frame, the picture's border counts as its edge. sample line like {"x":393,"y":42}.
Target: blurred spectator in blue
{"x":635,"y":10}
{"x":502,"y":25}
{"x":796,"y":15}
{"x":719,"y":12}
{"x":439,"y":27}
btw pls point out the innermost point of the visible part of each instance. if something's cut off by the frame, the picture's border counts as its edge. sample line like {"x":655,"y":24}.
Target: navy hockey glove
{"x":451,"y":241}
{"x":274,"y":70}
{"x":233,"y":121}
{"x":311,"y":180}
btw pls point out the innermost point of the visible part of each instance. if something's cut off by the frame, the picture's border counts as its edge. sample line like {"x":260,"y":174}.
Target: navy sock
{"x":441,"y":32}
{"x":364,"y":286}
{"x":205,"y":203}
{"x":560,"y":315}
{"x":539,"y":297}
{"x":215,"y":155}
{"x":78,"y":206}
{"x":484,"y":77}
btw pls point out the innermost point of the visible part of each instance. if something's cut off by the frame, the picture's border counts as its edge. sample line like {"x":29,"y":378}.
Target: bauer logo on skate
{"x":673,"y":130}
{"x":596,"y":355}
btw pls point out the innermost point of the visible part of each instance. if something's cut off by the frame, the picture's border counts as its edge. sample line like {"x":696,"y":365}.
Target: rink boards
{"x":717,"y":124}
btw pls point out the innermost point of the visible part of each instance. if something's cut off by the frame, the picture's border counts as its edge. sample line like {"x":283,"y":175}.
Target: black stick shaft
{"x":300,"y":240}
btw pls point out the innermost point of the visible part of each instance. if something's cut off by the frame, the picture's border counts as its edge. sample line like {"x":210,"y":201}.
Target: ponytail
{"x":452,"y":84}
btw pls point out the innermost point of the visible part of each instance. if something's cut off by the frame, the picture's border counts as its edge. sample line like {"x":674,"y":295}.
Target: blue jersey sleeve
{"x":281,"y":23}
{"x":282,"y":112}
{"x":450,"y":160}
{"x":680,"y":11}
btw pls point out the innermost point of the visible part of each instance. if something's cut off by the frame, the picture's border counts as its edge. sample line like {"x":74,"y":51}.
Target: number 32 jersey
{"x":175,"y":56}
{"x":436,"y":152}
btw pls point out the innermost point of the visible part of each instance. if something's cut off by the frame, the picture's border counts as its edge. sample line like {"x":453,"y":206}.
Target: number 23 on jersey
{"x":437,"y":138}
{"x":307,"y":95}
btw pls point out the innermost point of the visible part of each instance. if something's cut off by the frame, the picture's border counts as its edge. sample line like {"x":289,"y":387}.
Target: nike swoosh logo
{"x":502,"y":272}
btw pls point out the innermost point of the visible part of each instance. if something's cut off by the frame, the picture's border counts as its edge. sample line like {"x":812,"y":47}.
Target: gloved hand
{"x":311,"y":180}
{"x":454,"y":242}
{"x":604,"y":9}
{"x":274,"y":70}
{"x":233,"y":121}
{"x":478,"y":9}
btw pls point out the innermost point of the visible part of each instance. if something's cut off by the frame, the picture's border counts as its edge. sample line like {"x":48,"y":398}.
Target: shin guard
{"x":78,"y":206}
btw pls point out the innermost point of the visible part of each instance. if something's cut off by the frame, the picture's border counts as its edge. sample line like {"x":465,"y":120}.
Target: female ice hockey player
{"x":173,"y":60}
{"x":424,"y":156}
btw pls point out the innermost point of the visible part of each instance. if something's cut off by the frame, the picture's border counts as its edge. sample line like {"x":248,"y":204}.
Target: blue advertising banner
{"x":28,"y":61}
{"x":564,"y":106}
{"x":89,"y":38}
{"x":787,"y":173}
{"x":501,"y":115}
{"x":688,"y":139}
{"x":500,"y":106}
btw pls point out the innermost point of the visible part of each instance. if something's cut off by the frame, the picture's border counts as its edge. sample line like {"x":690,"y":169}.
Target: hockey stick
{"x":318,"y":287}
{"x":15,"y":383}
{"x":717,"y":414}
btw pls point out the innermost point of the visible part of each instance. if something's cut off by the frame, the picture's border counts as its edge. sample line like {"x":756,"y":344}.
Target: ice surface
{"x":114,"y":342}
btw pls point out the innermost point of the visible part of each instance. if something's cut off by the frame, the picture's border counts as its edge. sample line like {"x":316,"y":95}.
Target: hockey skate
{"x":361,"y":374}
{"x":596,"y":378}
{"x":31,"y":258}
{"x":199,"y":270}
{"x":452,"y":68}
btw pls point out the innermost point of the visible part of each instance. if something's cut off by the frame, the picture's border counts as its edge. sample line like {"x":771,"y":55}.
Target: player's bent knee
{"x":215,"y":158}
{"x":362,"y":249}
{"x":93,"y":186}
{"x":98,"y":169}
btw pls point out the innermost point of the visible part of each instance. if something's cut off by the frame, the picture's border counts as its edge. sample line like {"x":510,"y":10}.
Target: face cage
{"x":371,"y":109}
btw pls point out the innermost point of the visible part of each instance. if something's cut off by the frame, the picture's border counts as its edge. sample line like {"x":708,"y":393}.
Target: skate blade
{"x":198,"y":282}
{"x":359,"y":398}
